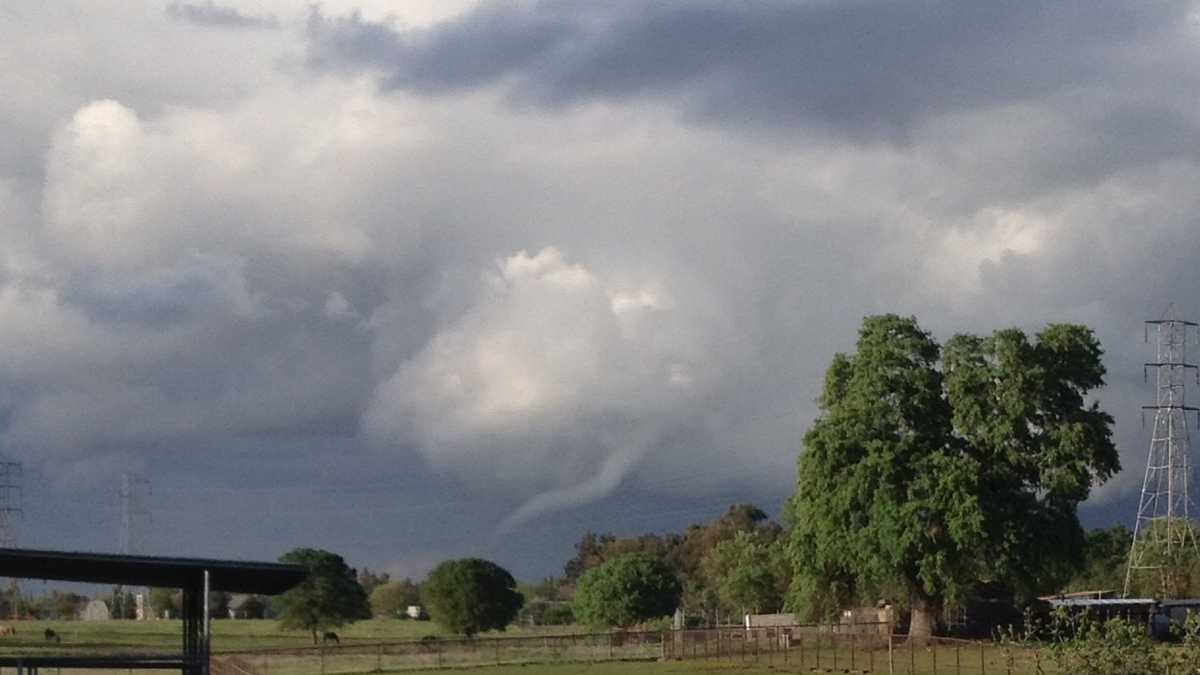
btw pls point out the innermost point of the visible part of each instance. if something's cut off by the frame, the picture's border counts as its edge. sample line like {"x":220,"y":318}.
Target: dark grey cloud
{"x":209,"y":13}
{"x":580,"y":263}
{"x":866,"y":69}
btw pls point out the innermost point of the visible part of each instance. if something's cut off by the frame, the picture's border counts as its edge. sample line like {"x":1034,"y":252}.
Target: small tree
{"x":471,"y":595}
{"x":331,"y":595}
{"x":625,"y":591}
{"x":164,"y":603}
{"x":390,"y":599}
{"x":748,"y":573}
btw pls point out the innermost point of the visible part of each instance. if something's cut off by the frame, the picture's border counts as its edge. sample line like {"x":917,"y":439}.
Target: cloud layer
{"x":397,"y":284}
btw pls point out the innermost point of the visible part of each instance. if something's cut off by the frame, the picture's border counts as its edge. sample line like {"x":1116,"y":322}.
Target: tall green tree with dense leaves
{"x":470,"y":596}
{"x":931,"y":469}
{"x":625,"y":591}
{"x":329,"y":597}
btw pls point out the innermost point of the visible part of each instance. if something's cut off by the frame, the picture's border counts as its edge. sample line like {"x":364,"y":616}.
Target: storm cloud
{"x":211,"y":14}
{"x":865,"y":70}
{"x":397,"y":284}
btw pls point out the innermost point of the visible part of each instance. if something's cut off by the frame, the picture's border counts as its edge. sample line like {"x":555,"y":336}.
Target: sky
{"x":416,"y":280}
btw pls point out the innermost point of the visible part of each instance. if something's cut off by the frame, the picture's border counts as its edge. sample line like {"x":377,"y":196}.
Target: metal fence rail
{"x":801,"y":648}
{"x":851,"y":648}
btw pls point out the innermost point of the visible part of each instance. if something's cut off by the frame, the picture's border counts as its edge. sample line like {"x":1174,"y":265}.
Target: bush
{"x":471,"y":595}
{"x":625,"y":591}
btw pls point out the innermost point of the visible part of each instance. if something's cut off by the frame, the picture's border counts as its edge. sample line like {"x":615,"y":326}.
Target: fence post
{"x":982,"y":664}
{"x":379,"y":658}
{"x":891,"y":656}
{"x":912,"y":656}
{"x":957,"y":659}
{"x":934,"y":644}
{"x":322,"y":652}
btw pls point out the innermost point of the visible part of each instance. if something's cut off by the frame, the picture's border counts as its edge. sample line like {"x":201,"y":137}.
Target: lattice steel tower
{"x":10,"y":502}
{"x":1163,"y":539}
{"x":134,"y":514}
{"x":10,"y":512}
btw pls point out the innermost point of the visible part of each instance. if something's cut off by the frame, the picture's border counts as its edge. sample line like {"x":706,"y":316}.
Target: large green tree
{"x":625,"y":591}
{"x":329,"y":597}
{"x":469,"y":596}
{"x":931,"y":469}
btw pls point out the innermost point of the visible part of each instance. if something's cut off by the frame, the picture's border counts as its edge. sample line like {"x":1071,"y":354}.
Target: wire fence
{"x":850,"y":648}
{"x":809,"y":648}
{"x":442,"y":653}
{"x":854,"y":648}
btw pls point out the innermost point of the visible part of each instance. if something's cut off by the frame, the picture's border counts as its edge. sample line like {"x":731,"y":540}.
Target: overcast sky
{"x":418,"y":279}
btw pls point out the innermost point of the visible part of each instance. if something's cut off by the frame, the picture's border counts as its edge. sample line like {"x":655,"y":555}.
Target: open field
{"x":382,"y":646}
{"x":228,"y":635}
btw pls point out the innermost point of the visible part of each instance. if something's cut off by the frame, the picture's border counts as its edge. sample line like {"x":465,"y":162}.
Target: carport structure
{"x":196,"y":577}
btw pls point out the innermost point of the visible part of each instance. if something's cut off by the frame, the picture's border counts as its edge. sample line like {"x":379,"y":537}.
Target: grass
{"x":228,"y":635}
{"x":363,"y":650}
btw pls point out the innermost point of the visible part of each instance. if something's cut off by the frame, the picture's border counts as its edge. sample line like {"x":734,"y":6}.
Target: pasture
{"x":251,"y":647}
{"x":229,"y":635}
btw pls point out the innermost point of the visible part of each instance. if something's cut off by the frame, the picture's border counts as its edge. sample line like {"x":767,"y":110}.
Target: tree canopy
{"x":684,"y":553}
{"x":329,"y":597}
{"x":392,"y":598}
{"x":931,"y":469}
{"x":748,"y":572}
{"x":471,"y":595}
{"x":626,"y":590}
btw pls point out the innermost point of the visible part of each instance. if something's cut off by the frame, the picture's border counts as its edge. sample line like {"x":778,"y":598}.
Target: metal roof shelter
{"x":194,"y":576}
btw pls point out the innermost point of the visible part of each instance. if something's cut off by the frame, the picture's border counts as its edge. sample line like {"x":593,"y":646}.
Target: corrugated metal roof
{"x":1103,"y":602}
{"x":1183,"y":602}
{"x":138,"y":570}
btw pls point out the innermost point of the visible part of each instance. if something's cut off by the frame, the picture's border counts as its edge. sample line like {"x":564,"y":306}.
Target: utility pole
{"x":134,"y":514}
{"x":10,"y":512}
{"x":1163,"y":538}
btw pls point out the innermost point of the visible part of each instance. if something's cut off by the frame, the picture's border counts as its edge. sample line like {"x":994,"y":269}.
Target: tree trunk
{"x":924,"y":616}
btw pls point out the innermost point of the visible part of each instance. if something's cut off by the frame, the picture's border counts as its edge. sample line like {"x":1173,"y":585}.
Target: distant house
{"x":95,"y":610}
{"x":415,"y":612}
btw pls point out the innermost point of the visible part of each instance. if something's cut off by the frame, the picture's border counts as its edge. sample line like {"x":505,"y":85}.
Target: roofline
{"x":267,"y":578}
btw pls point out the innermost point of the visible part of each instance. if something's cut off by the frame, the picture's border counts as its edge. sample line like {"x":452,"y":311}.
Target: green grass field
{"x":228,"y":635}
{"x":364,"y":649}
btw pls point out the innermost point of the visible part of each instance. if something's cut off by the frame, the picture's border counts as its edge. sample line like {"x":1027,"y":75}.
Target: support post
{"x":891,"y":656}
{"x":205,"y":647}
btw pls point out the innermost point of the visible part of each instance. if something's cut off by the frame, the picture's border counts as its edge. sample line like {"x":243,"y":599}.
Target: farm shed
{"x":1133,"y":610}
{"x":195,"y":576}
